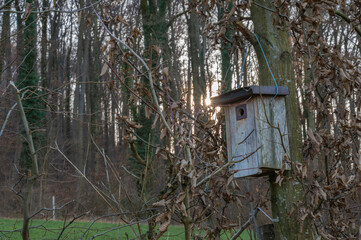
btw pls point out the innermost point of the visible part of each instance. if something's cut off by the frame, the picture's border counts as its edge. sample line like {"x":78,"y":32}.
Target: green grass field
{"x":41,"y":229}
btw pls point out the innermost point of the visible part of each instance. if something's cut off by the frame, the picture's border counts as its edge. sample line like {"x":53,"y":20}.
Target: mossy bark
{"x":275,"y":43}
{"x":226,"y":48}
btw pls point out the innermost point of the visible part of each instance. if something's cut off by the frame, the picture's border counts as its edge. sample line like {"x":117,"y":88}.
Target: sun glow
{"x":208,"y":101}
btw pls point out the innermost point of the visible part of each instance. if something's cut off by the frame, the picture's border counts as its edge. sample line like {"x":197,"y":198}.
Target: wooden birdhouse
{"x":255,"y":124}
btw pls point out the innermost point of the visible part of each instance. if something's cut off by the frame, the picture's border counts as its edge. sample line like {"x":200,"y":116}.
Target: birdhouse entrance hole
{"x":241,"y":112}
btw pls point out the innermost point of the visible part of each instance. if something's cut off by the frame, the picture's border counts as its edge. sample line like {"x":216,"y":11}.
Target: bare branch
{"x":71,"y":222}
{"x":7,"y":118}
{"x":135,"y":153}
{"x":246,"y":32}
{"x":123,"y":226}
{"x":244,"y":226}
{"x":51,"y":209}
{"x":34,"y":158}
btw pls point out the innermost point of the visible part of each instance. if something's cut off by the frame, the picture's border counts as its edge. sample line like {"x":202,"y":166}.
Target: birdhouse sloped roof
{"x":248,"y":92}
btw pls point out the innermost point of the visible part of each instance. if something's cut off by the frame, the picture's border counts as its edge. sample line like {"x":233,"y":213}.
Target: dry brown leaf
{"x":122,"y":20}
{"x":304,"y":171}
{"x":210,"y":124}
{"x":344,"y":76}
{"x":156,"y":49}
{"x":104,"y":69}
{"x":134,"y":124}
{"x":164,"y":226}
{"x":160,"y":203}
{"x":229,"y":180}
{"x":166,"y":72}
{"x":304,"y":217}
{"x":161,"y":216}
{"x":312,"y":136}
{"x":182,"y":208}
{"x":323,"y":194}
{"x":163,"y":133}
{"x":155,"y":121}
{"x":279,"y":180}
{"x":343,"y":179}
{"x":183,"y":164}
{"x":148,"y":112}
{"x":292,"y":211}
{"x":28,"y":10}
{"x":212,"y":153}
{"x":180,"y":197}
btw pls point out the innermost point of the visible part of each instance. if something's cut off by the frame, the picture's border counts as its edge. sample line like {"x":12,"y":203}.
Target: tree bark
{"x":5,"y":48}
{"x":275,"y":43}
{"x":79,"y":98}
{"x":226,"y":48}
{"x":195,"y":48}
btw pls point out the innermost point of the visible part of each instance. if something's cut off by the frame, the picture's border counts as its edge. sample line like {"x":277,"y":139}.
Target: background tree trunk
{"x":199,"y":88}
{"x":226,"y":48}
{"x":5,"y":47}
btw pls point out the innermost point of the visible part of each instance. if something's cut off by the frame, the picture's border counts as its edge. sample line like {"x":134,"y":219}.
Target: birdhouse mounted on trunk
{"x":256,"y":128}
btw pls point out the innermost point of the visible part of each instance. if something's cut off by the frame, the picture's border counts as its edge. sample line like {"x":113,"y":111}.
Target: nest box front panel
{"x":242,"y":138}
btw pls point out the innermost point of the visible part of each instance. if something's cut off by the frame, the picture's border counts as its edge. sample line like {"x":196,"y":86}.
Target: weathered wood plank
{"x":272,"y":152}
{"x":242,"y":140}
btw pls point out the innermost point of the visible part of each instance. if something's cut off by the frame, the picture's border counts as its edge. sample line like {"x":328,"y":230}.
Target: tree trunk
{"x":93,"y":96}
{"x":175,"y":66}
{"x":5,"y":48}
{"x":226,"y":51}
{"x":44,"y":43}
{"x":275,"y":43}
{"x":79,"y":98}
{"x":32,"y":116}
{"x":194,"y":48}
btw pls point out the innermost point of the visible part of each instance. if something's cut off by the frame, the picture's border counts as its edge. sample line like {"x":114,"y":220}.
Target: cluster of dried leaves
{"x":194,"y":195}
{"x":327,"y":49}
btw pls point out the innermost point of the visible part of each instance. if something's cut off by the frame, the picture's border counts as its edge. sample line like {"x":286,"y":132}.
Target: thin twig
{"x":115,"y":215}
{"x":51,"y":209}
{"x":130,"y":173}
{"x":71,"y":222}
{"x":7,"y":118}
{"x":244,"y":226}
{"x":226,"y":165}
{"x":123,"y":226}
{"x":135,"y":153}
{"x":50,"y":9}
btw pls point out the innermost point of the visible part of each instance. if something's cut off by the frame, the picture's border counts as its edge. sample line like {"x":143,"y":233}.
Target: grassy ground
{"x":42,"y":229}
